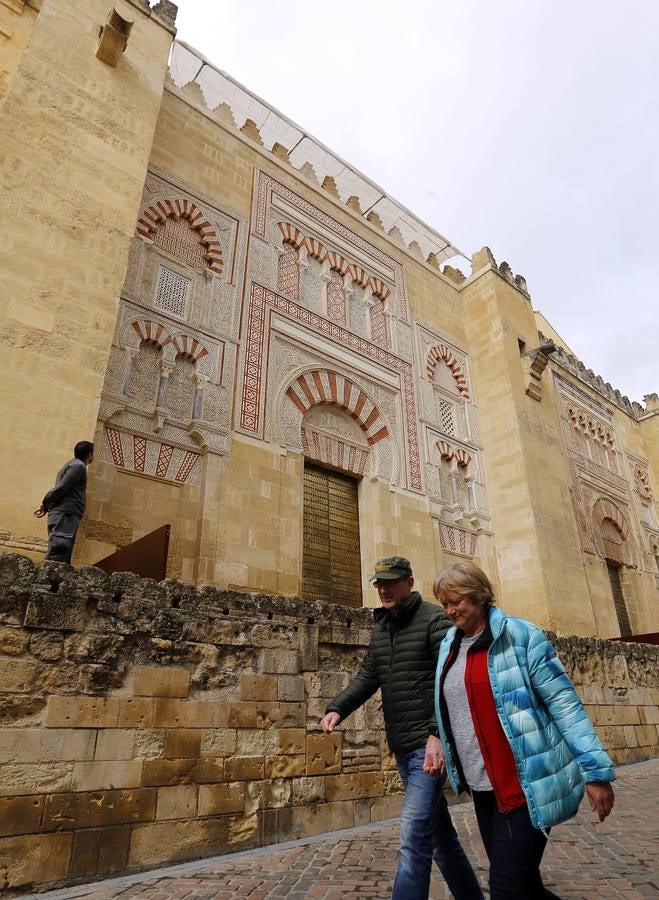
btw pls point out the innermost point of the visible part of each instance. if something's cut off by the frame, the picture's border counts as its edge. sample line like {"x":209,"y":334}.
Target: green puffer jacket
{"x":401,"y":660}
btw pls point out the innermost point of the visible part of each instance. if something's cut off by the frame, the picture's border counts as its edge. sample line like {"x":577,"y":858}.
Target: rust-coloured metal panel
{"x":619,"y":599}
{"x":332,"y":559}
{"x":146,"y":557}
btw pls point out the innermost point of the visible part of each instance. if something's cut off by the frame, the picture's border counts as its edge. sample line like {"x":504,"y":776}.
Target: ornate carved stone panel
{"x":595,"y":465}
{"x":169,"y":382}
{"x":142,"y":388}
{"x":270,"y":313}
{"x":144,"y":456}
{"x":457,"y":487}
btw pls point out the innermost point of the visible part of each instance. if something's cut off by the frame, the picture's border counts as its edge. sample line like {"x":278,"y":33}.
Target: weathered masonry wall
{"x":144,"y":724}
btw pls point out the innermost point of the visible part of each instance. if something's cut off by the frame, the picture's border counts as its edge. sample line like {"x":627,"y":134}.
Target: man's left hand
{"x":433,"y":762}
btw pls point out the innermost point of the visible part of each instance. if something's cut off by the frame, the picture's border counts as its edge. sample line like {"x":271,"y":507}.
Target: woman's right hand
{"x":601,"y":797}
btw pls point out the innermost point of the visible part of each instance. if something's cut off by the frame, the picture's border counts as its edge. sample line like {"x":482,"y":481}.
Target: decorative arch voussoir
{"x":338,"y":262}
{"x":462,"y":457}
{"x":358,"y":275}
{"x":440,"y":351}
{"x":315,"y":249}
{"x":152,"y":331}
{"x":379,"y":288}
{"x":445,"y":450}
{"x":185,"y":343}
{"x":291,"y":234}
{"x":155,"y":216}
{"x":325,"y":386}
{"x":606,"y":509}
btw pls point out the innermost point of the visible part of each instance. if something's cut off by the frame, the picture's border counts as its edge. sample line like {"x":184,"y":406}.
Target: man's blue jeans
{"x":427,"y":832}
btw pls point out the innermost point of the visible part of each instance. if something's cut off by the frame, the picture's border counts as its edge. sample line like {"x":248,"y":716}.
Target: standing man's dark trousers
{"x":62,"y":529}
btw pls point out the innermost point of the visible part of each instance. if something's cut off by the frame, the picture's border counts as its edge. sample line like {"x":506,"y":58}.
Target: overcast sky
{"x":528,"y":126}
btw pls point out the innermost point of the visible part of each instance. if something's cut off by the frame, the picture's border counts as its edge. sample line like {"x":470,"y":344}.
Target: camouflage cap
{"x":391,"y":568}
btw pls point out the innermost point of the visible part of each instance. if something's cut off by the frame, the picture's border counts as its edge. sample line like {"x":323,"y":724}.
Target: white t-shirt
{"x":462,"y":726}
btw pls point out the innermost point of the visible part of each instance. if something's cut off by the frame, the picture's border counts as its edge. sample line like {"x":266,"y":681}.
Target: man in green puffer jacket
{"x":401,"y":662}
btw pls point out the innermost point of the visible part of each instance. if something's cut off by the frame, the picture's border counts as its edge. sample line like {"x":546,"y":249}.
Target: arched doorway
{"x":612,"y":537}
{"x":336,"y":456}
{"x":331,"y":560}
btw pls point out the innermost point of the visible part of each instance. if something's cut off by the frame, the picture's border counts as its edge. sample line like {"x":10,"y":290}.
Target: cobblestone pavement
{"x":619,"y":858}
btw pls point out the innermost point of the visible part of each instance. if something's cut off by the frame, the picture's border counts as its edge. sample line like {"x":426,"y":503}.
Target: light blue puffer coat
{"x":553,"y":741}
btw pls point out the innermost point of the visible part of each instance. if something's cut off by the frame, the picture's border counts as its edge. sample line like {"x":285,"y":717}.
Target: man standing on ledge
{"x":401,"y":661}
{"x":65,"y":503}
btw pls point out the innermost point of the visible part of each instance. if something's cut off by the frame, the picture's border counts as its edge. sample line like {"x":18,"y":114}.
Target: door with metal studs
{"x":331,"y":556}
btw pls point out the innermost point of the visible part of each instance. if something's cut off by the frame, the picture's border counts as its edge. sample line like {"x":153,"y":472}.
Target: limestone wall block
{"x":164,"y":772}
{"x":279,"y":662}
{"x":101,"y":851}
{"x":156,"y":843}
{"x":177,"y":802}
{"x":255,"y":741}
{"x":284,"y":766}
{"x":155,"y":681}
{"x":47,"y":646}
{"x":324,"y":753}
{"x":82,"y":712}
{"x":308,"y":790}
{"x":354,"y":787}
{"x":362,"y":812}
{"x":283,"y":715}
{"x":182,"y":743}
{"x":647,"y":735}
{"x":649,"y":715}
{"x":189,"y":714}
{"x":13,"y":640}
{"x":389,"y":807}
{"x":268,"y":794}
{"x":35,"y":859}
{"x":614,"y":715}
{"x":107,"y":774}
{"x":296,"y":822}
{"x":243,"y":768}
{"x":218,"y":742}
{"x":243,"y":714}
{"x":220,"y":799}
{"x":115,"y":743}
{"x":17,"y":675}
{"x":97,"y":809}
{"x":24,"y":745}
{"x":136,"y":713}
{"x":290,"y":687}
{"x":612,"y":736}
{"x":260,"y":687}
{"x":35,"y":778}
{"x":20,"y":815}
{"x":291,"y":740}
{"x":630,"y":736}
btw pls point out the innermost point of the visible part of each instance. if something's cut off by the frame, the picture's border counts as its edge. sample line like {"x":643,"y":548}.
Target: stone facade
{"x":143,"y":724}
{"x":221,"y":303}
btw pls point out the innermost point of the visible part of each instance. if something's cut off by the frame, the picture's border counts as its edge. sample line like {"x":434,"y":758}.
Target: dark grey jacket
{"x":401,"y":661}
{"x":70,"y":489}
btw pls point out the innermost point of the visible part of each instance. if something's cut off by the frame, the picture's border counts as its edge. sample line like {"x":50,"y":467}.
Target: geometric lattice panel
{"x":177,"y":237}
{"x":136,"y":453}
{"x":456,"y":540}
{"x":378,"y":323}
{"x":444,"y":377}
{"x":172,"y":292}
{"x":447,"y":417}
